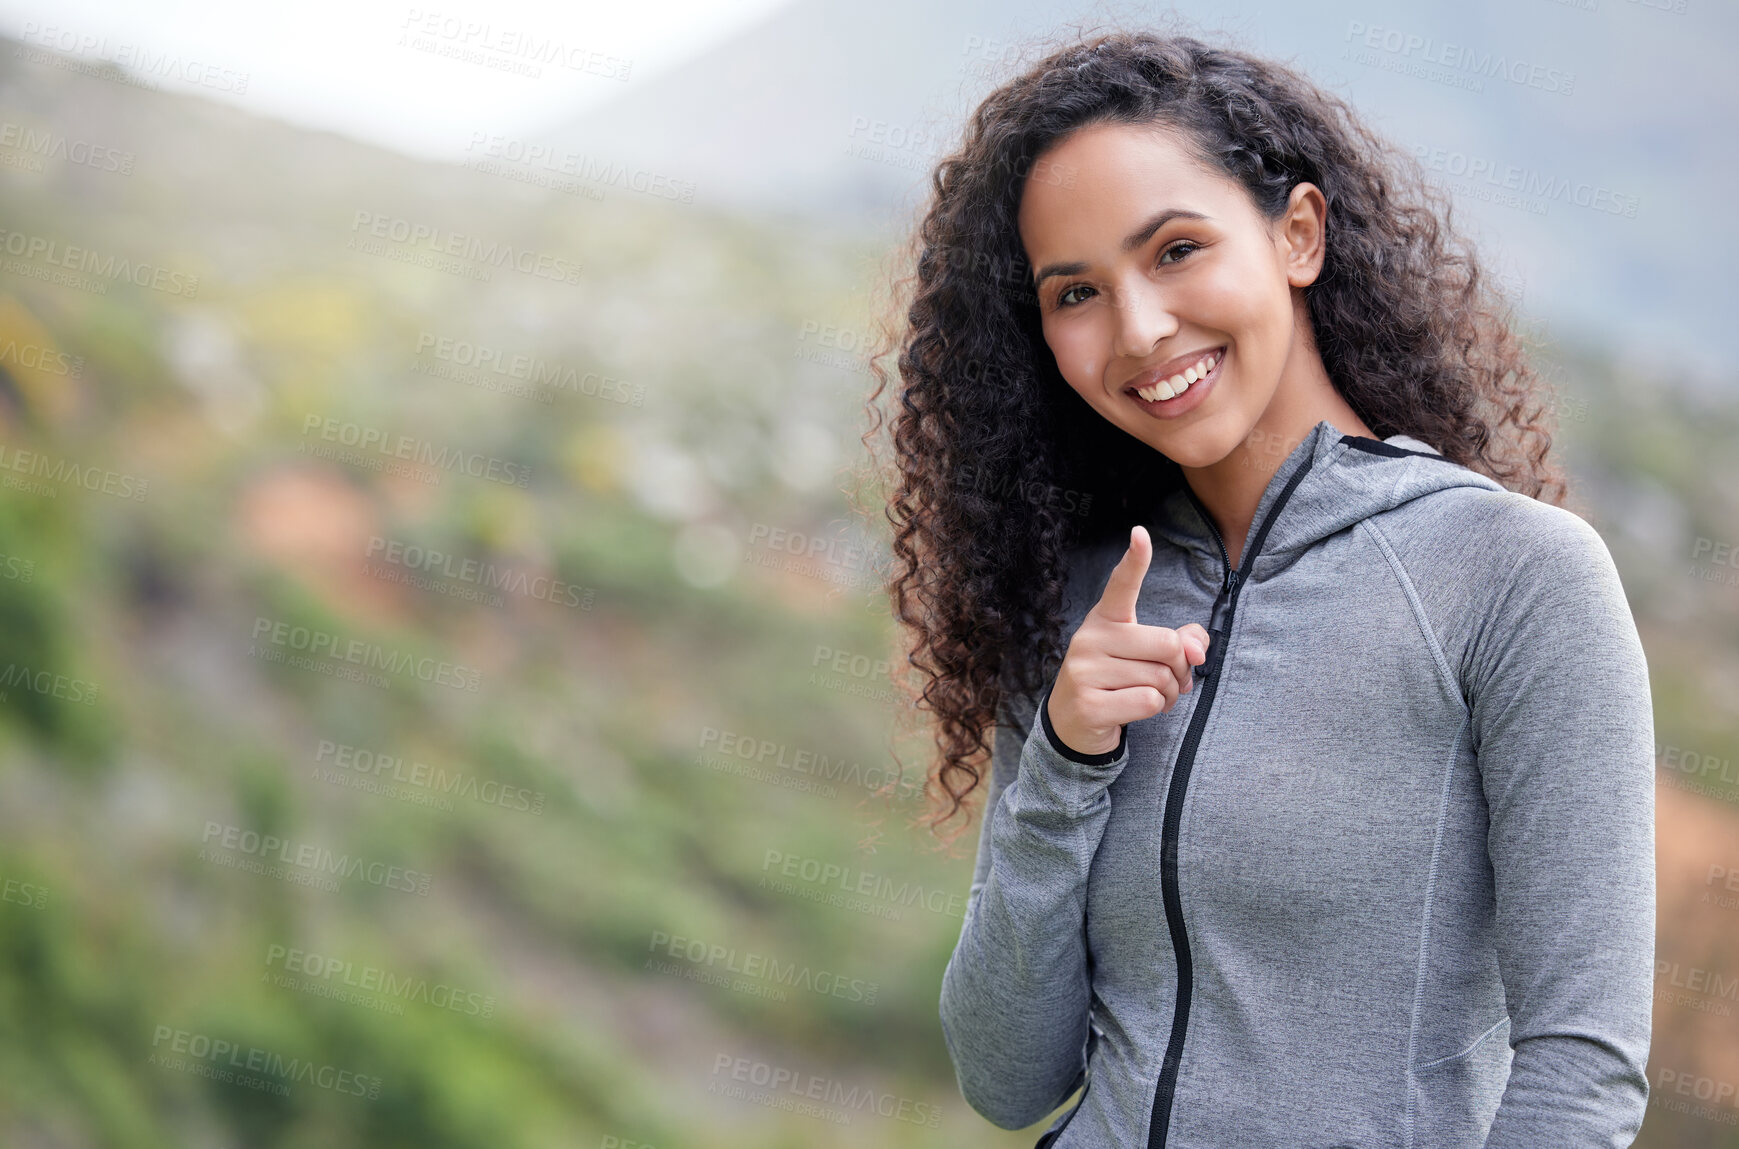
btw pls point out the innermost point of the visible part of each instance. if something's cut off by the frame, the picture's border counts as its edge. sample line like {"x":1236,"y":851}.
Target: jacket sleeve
{"x":1015,"y":994}
{"x":1563,"y":724}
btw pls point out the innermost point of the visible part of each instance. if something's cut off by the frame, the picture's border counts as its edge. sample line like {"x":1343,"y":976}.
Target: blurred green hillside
{"x":420,"y":731}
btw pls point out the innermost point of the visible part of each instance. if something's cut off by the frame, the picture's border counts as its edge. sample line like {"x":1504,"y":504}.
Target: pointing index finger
{"x":1123,"y":587}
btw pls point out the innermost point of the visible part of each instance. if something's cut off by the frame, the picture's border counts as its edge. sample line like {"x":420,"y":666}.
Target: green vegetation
{"x":515,"y":862}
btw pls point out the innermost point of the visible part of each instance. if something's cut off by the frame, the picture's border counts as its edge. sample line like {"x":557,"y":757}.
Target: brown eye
{"x":1175,"y":246}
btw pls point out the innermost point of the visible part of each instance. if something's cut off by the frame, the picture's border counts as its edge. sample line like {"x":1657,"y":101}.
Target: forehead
{"x":1102,"y":179}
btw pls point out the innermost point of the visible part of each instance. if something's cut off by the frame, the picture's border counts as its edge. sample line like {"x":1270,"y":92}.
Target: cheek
{"x":1079,"y":351}
{"x":1231,"y":298}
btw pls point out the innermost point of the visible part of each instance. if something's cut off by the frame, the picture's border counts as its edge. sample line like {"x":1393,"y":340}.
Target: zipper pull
{"x":1216,"y":626}
{"x":1217,"y":615}
{"x":1216,"y":649}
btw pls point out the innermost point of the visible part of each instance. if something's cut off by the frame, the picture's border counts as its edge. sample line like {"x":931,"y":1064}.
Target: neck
{"x":1231,"y":488}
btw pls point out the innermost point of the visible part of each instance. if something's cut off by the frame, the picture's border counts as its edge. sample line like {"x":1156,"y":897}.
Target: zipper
{"x":1220,"y":628}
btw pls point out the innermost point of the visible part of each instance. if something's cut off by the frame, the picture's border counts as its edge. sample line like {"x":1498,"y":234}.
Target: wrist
{"x":1100,"y":758}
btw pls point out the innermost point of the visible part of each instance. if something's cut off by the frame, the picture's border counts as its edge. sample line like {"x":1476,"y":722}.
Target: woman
{"x":1333,"y":826}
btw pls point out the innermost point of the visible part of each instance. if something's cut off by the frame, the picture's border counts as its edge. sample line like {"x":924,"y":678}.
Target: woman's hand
{"x":1117,"y":670}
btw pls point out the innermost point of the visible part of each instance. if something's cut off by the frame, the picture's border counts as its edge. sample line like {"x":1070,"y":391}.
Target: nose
{"x":1142,"y":319}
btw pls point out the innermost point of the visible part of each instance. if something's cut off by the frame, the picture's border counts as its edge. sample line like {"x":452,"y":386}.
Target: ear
{"x":1302,"y":235}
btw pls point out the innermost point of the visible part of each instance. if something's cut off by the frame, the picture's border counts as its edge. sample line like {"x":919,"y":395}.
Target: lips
{"x":1177,"y":376}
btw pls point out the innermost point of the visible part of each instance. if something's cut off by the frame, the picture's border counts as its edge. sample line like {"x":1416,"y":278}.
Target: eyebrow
{"x":1132,"y":241}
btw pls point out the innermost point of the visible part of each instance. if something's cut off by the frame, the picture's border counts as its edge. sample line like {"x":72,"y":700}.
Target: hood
{"x":1346,"y":478}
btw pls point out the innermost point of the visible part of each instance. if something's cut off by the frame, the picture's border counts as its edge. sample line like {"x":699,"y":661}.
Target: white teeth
{"x":1178,"y":384}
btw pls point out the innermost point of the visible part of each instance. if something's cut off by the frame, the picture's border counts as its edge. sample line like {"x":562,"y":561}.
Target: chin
{"x":1195,"y":446}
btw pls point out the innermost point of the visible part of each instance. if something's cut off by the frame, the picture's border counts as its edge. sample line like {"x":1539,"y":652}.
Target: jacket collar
{"x":1345,"y":479}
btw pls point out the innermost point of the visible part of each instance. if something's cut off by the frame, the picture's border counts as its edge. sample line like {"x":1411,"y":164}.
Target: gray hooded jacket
{"x":1383,"y":879}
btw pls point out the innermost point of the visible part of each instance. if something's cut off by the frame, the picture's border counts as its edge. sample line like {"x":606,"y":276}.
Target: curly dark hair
{"x":1002,"y":467}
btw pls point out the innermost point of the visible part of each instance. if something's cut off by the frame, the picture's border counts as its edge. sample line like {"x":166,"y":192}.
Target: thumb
{"x":1117,"y":601}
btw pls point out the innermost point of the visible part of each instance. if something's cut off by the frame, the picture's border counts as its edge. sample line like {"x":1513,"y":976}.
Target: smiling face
{"x":1147,"y":266}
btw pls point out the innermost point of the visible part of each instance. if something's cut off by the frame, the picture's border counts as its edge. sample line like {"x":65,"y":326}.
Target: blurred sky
{"x":837,"y":109}
{"x":340,"y":64}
